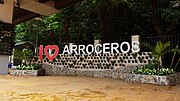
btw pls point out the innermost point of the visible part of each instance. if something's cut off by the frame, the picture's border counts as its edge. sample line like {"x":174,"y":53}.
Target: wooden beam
{"x":6,"y":11}
{"x":65,"y":3}
{"x":42,"y":1}
{"x":42,"y":7}
{"x":25,"y":17}
{"x":37,"y":7}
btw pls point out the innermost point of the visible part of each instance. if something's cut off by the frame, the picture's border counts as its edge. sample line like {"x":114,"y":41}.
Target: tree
{"x":7,"y":38}
{"x":23,"y":55}
{"x":109,"y":20}
{"x":155,"y":17}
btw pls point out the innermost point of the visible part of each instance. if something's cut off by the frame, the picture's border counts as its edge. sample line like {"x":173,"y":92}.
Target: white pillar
{"x":135,"y":40}
{"x":50,"y":52}
{"x":12,"y":57}
{"x":70,"y":45}
{"x":4,"y":59}
{"x":97,"y":42}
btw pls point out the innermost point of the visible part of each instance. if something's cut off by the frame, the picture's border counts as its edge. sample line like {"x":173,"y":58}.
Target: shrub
{"x":159,"y":50}
{"x":29,"y":67}
{"x":150,"y":69}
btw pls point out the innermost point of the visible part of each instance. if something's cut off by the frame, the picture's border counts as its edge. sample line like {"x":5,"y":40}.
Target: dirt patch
{"x":69,"y":88}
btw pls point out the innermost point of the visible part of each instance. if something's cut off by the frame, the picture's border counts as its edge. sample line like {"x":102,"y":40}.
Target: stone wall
{"x":172,"y":79}
{"x":99,"y":61}
{"x":122,"y":73}
{"x":54,"y":70}
{"x":106,"y":65}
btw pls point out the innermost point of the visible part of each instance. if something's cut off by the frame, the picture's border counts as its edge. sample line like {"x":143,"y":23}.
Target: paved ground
{"x":66,"y":88}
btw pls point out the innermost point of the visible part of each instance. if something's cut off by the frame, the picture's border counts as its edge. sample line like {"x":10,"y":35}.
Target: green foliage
{"x":172,"y":13}
{"x":170,"y":17}
{"x":46,"y":29}
{"x":160,"y":49}
{"x":150,"y":69}
{"x":29,"y":67}
{"x":122,"y":18}
{"x":106,"y":2}
{"x":83,"y":24}
{"x":7,"y":37}
{"x":23,"y":55}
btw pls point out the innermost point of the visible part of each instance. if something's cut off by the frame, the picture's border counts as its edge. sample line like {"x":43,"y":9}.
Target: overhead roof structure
{"x":18,"y":11}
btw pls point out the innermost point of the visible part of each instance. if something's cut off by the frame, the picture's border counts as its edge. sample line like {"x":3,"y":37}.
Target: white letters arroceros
{"x":105,"y":48}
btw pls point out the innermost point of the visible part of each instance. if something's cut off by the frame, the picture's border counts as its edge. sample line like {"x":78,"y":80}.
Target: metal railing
{"x":173,"y":39}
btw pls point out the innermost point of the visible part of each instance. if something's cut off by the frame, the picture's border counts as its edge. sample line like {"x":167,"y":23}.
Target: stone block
{"x":39,"y":72}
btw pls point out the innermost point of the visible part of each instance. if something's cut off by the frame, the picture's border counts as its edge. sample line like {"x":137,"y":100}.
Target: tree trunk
{"x":66,"y":27}
{"x":102,"y":22}
{"x":78,"y":34}
{"x":155,"y":18}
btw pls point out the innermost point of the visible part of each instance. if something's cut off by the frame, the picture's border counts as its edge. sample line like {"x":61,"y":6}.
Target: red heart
{"x":53,"y":47}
